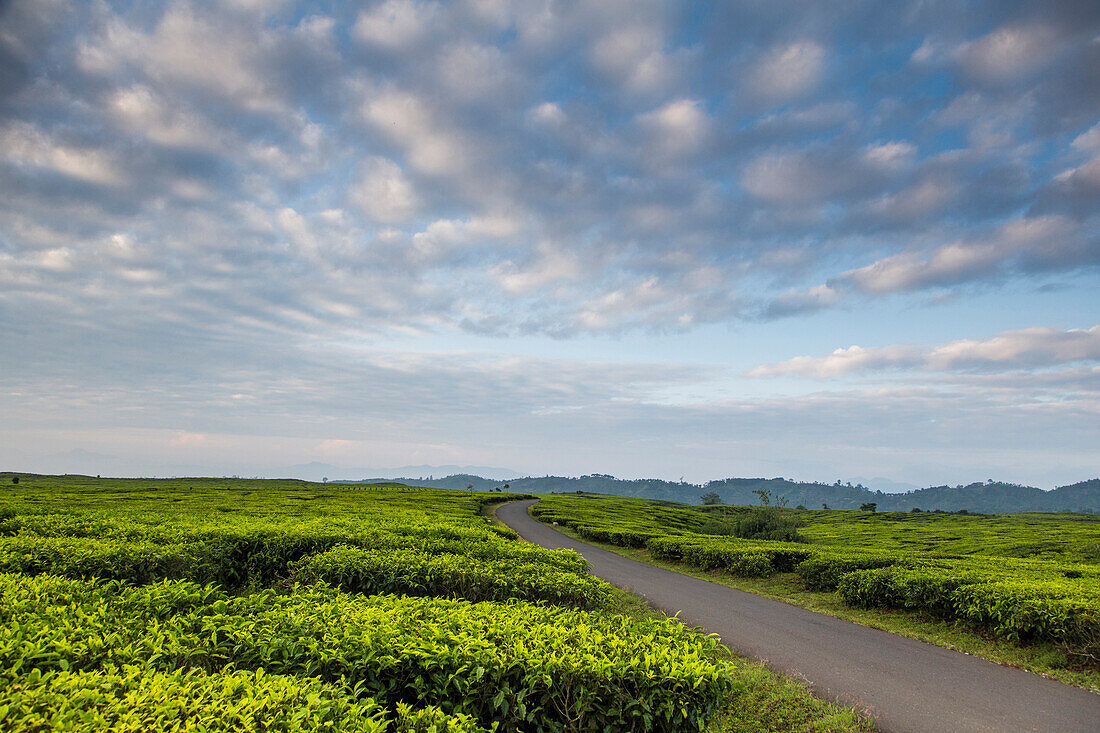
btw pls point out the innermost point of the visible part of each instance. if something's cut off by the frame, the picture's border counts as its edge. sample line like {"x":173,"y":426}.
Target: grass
{"x":1045,"y":659}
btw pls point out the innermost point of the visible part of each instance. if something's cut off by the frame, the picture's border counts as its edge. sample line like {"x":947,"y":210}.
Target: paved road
{"x":908,"y":686}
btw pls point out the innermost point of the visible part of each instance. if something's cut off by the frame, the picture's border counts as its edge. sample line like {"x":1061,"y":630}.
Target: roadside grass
{"x":1042,"y":658}
{"x":765,"y":701}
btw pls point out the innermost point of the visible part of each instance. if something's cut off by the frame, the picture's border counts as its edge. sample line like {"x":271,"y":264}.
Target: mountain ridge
{"x":992,"y":496}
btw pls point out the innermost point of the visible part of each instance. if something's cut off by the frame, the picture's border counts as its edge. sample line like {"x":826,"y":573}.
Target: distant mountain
{"x":978,"y":497}
{"x":883,"y":484}
{"x":317,"y":471}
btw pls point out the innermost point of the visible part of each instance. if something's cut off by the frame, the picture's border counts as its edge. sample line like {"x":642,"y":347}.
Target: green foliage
{"x":200,"y":604}
{"x":770,"y":523}
{"x":710,"y":498}
{"x":134,"y":699}
{"x":1016,"y":600}
{"x":1019,"y":577}
{"x":414,"y":572}
{"x":516,"y":664}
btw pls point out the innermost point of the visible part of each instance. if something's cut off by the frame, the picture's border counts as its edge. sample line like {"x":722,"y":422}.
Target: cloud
{"x":799,"y":177}
{"x":26,"y":146}
{"x":678,"y":128}
{"x":190,"y":184}
{"x":789,"y":70}
{"x":1030,"y":348}
{"x":409,"y":121}
{"x":1009,"y":52}
{"x":385,"y":193}
{"x":1040,"y":240}
{"x":633,"y":56}
{"x":394,"y":24}
{"x":799,"y":302}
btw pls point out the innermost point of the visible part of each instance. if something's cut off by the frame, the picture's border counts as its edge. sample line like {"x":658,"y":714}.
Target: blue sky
{"x":638,"y":238}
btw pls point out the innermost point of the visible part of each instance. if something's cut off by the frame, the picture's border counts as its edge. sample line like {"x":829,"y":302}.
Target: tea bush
{"x":525,"y":666}
{"x":130,"y":605}
{"x":1045,"y":587}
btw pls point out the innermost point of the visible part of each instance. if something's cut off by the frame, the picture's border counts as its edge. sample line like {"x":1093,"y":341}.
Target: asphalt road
{"x":907,"y":686}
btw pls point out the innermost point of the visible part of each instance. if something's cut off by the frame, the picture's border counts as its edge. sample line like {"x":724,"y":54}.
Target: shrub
{"x":769,"y":523}
{"x":417,"y":573}
{"x":517,"y":664}
{"x":135,"y":698}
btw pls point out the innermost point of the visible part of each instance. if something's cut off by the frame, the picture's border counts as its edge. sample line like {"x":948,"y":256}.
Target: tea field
{"x":1021,"y":579}
{"x":228,"y":605}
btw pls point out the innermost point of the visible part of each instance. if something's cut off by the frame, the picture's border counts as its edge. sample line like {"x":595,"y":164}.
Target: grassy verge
{"x":1045,"y":659}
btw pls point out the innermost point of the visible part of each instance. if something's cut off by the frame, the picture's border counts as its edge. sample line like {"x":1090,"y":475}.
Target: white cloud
{"x":1023,"y":349}
{"x":1009,"y":52}
{"x":550,"y":265}
{"x":395,"y":24}
{"x":407,"y":120}
{"x":794,"y":178}
{"x":923,"y":197}
{"x":192,"y":49}
{"x":471,"y":71}
{"x":633,"y":55}
{"x":549,"y":115}
{"x":803,"y":301}
{"x":294,"y":225}
{"x":788,"y":70}
{"x":678,"y":128}
{"x":143,"y":111}
{"x":890,"y":156}
{"x":960,"y":261}
{"x":1030,"y":347}
{"x":842,"y":362}
{"x":384,"y":192}
{"x":25,"y":145}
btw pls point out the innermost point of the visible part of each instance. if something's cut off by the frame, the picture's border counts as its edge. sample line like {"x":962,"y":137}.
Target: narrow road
{"x":907,"y":686}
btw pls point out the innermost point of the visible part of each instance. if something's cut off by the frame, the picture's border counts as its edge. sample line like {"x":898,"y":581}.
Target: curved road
{"x":906,"y":685}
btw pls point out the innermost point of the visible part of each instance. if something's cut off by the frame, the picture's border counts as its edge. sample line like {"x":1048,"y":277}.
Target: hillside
{"x":978,"y":497}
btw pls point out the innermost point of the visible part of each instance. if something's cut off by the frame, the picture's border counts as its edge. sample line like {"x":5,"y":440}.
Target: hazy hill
{"x":977,"y":497}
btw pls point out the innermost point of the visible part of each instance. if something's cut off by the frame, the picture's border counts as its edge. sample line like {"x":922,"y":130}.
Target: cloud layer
{"x":230,"y":183}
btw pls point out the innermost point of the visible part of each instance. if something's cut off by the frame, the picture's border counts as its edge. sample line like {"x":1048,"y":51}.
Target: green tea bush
{"x":1018,"y":601}
{"x":823,"y":569}
{"x":448,"y":575}
{"x":258,"y":558}
{"x":134,"y":699}
{"x":523,"y":666}
{"x":739,"y":557}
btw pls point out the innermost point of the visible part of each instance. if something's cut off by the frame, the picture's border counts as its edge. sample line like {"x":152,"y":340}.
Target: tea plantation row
{"x":1012,"y":597}
{"x":131,"y":606}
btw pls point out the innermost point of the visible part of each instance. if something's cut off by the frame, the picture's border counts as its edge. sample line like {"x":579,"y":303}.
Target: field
{"x":1028,"y":580}
{"x":218,"y":605}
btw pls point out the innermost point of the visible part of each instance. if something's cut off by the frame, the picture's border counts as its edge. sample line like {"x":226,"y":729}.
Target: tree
{"x":765,"y":496}
{"x":868,"y":507}
{"x":469,"y":487}
{"x":15,"y":479}
{"x":711,"y":498}
{"x":824,"y":506}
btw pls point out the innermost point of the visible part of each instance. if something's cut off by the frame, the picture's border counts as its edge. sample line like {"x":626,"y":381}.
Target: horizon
{"x":302,"y":473}
{"x":631,"y":237}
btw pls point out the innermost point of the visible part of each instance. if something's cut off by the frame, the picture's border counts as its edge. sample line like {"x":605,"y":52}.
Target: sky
{"x":642,"y":238}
